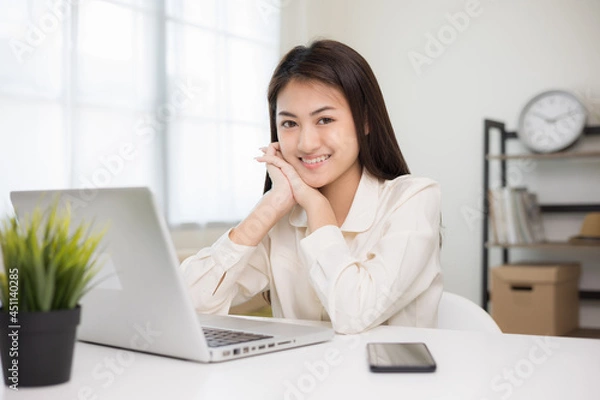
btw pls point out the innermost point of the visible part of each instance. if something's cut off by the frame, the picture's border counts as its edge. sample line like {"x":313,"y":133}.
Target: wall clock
{"x":551,"y":121}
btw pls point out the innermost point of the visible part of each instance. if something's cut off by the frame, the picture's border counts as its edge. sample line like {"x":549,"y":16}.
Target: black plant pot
{"x":38,"y":349}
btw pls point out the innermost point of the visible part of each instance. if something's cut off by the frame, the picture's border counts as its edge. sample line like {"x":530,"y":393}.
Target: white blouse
{"x":381,"y":266}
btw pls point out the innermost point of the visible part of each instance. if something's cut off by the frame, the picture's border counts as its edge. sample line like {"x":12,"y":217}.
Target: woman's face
{"x":316,"y":133}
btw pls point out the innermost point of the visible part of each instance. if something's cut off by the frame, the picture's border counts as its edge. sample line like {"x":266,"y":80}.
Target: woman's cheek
{"x":284,"y":152}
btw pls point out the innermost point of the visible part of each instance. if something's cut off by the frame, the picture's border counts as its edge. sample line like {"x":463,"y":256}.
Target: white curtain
{"x":167,"y":94}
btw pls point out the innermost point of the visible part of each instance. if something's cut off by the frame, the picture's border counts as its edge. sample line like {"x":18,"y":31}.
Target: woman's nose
{"x":309,"y":140}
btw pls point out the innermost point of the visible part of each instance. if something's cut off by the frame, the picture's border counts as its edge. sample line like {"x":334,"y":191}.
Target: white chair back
{"x":458,"y":313}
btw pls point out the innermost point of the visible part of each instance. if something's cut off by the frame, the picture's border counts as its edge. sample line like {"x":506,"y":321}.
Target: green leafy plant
{"x":53,"y":266}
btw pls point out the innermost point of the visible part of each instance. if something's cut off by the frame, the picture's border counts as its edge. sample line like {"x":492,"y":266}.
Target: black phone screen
{"x":400,"y":357}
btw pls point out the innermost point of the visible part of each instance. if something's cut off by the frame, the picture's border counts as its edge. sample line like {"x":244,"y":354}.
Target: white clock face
{"x":551,"y":121}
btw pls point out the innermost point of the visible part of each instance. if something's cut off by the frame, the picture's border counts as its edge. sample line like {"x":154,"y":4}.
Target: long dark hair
{"x":337,"y":65}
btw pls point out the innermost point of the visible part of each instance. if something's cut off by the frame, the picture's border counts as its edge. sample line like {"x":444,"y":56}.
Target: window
{"x":167,"y":94}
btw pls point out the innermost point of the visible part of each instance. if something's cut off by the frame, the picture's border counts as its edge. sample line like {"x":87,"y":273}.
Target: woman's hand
{"x":280,"y":196}
{"x":316,"y":205}
{"x":276,"y":203}
{"x":278,"y":168}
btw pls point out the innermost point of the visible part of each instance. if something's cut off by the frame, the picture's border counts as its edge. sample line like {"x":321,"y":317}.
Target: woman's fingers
{"x":289,"y":171}
{"x":273,"y":159}
{"x":280,"y":163}
{"x":274,"y":165}
{"x":301,"y":191}
{"x":272,"y":149}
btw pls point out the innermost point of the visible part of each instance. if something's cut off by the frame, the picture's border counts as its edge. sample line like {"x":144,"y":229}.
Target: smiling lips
{"x":314,"y":162}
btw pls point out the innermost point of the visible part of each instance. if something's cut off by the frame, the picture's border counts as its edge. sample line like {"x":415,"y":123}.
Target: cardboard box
{"x":540,"y":299}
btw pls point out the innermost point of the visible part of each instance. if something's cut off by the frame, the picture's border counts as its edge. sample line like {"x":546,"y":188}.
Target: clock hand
{"x":541,"y":116}
{"x":563,"y":115}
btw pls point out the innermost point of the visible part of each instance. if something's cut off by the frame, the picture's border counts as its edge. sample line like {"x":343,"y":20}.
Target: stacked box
{"x":539,"y":299}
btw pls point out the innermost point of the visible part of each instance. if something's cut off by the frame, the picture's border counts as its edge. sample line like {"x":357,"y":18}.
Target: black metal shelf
{"x":588,"y":130}
{"x":589,"y":294}
{"x":574,"y":208}
{"x":503,"y":158}
{"x":583,"y":294}
{"x":548,"y":245}
{"x":546,"y":156}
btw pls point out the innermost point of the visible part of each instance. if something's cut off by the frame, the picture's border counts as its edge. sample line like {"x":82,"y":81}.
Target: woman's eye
{"x":288,"y":124}
{"x":324,"y":121}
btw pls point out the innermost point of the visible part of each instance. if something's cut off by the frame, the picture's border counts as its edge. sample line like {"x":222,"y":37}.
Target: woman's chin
{"x":314,"y":179}
{"x":314,"y":183}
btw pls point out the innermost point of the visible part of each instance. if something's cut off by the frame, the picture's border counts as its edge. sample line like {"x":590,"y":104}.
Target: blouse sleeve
{"x":401,"y":265}
{"x":226,"y":274}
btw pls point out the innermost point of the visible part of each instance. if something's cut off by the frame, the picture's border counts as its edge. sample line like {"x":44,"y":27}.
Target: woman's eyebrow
{"x":317,"y":111}
{"x":287,"y":114}
{"x":320,"y":110}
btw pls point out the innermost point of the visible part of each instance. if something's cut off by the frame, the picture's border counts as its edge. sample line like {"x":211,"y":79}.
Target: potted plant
{"x":48,"y":266}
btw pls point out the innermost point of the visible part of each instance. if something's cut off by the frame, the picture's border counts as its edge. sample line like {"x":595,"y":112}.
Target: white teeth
{"x":315,"y":160}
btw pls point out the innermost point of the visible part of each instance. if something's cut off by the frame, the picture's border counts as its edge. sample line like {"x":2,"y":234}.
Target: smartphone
{"x":400,"y":357}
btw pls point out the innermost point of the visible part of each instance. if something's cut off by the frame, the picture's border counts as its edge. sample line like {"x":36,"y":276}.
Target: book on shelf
{"x":523,"y":222}
{"x":534,"y":216}
{"x":515,"y":216}
{"x":496,"y":216}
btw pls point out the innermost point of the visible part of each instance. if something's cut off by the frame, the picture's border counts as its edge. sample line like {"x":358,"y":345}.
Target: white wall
{"x":509,"y":51}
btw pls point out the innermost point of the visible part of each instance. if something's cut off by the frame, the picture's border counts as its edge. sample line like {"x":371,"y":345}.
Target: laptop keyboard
{"x":224,"y":337}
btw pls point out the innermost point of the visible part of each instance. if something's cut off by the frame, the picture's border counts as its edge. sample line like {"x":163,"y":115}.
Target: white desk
{"x":471,"y":365}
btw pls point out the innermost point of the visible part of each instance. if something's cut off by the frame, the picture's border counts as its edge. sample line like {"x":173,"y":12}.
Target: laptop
{"x":139,"y":300}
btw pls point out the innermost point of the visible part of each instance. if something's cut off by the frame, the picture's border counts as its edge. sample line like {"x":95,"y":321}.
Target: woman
{"x":343,"y":232}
